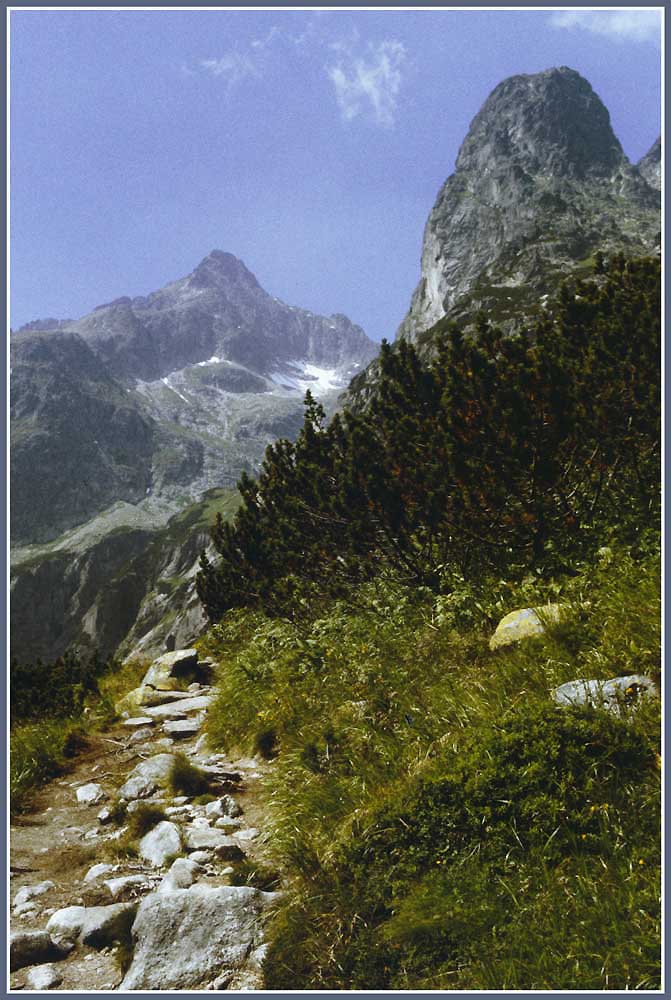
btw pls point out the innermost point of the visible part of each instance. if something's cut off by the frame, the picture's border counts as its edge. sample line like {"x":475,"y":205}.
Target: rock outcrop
{"x":541,"y":183}
{"x":650,"y":165}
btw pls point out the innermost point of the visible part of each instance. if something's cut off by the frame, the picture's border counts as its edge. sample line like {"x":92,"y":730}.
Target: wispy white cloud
{"x":368,"y":84}
{"x":620,"y":25}
{"x":233,"y":67}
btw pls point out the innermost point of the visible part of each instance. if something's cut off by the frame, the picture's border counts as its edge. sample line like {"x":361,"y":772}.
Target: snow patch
{"x":306,"y":376}
{"x":176,"y":391}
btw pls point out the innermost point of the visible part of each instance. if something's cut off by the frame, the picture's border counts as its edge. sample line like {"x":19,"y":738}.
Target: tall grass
{"x":392,"y":688}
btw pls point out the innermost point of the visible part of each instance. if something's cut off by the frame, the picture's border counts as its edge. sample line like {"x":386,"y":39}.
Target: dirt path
{"x":60,"y":840}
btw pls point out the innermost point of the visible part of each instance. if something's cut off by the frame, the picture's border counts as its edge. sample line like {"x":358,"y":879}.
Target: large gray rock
{"x":43,"y":977}
{"x":161,"y":843}
{"x":525,"y":623}
{"x":184,"y":729}
{"x":33,"y":948}
{"x":189,"y":938}
{"x":618,"y":695}
{"x":97,"y":926}
{"x":179,"y":709}
{"x":203,"y":838}
{"x":170,"y":671}
{"x":148,"y":776}
{"x":98,"y":871}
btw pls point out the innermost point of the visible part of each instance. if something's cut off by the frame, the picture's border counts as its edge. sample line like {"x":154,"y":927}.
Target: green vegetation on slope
{"x":504,"y":453}
{"x":440,"y":822}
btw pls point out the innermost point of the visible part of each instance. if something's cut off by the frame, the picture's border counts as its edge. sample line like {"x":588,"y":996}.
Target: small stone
{"x":97,"y":871}
{"x":141,"y":720}
{"x":201,"y":857}
{"x":91,"y":794}
{"x":161,"y":843}
{"x":194,"y":687}
{"x":43,"y":977}
{"x":31,"y":891}
{"x":182,"y":875}
{"x":148,"y":776}
{"x":105,"y":816}
{"x":180,"y":800}
{"x":26,"y":910}
{"x":616,"y":695}
{"x":525,"y":623}
{"x":132,"y":884}
{"x":133,"y":807}
{"x":179,"y":709}
{"x":140,"y":736}
{"x":92,"y":835}
{"x":225,"y":822}
{"x":184,"y":729}
{"x":251,"y":833}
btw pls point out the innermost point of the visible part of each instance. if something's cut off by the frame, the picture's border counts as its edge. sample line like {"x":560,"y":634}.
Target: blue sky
{"x":309,"y":144}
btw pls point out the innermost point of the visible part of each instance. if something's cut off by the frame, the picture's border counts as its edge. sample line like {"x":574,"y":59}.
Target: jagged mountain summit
{"x":218,"y":313}
{"x":161,"y":397}
{"x":122,"y":419}
{"x":541,"y":183}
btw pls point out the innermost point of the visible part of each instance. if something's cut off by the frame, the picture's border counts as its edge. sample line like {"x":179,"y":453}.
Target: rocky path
{"x":110,"y":894}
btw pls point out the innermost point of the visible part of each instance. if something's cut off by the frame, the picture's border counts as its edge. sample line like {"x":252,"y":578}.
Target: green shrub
{"x":143,"y":819}
{"x":187,"y":779}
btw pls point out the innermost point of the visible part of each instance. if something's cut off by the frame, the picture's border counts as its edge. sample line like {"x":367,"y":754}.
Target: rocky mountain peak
{"x":541,"y":183}
{"x":221,"y":269}
{"x":547,"y":123}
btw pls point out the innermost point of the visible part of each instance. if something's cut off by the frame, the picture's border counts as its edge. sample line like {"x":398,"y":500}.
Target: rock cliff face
{"x":650,"y":166}
{"x":541,"y":183}
{"x":119,"y":584}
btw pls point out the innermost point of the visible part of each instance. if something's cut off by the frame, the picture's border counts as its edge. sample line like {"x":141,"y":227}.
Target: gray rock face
{"x":618,"y":695}
{"x":170,"y":671}
{"x":33,"y":948}
{"x":97,"y":926}
{"x":541,"y":183}
{"x":30,"y":892}
{"x":180,"y":709}
{"x":147,"y":777}
{"x":199,"y":838}
{"x":161,"y":843}
{"x":173,"y":952}
{"x":650,"y":166}
{"x":91,"y":794}
{"x":183,"y":873}
{"x":43,"y":977}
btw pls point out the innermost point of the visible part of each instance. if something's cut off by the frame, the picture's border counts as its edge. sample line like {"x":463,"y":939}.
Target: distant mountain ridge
{"x":164,"y":396}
